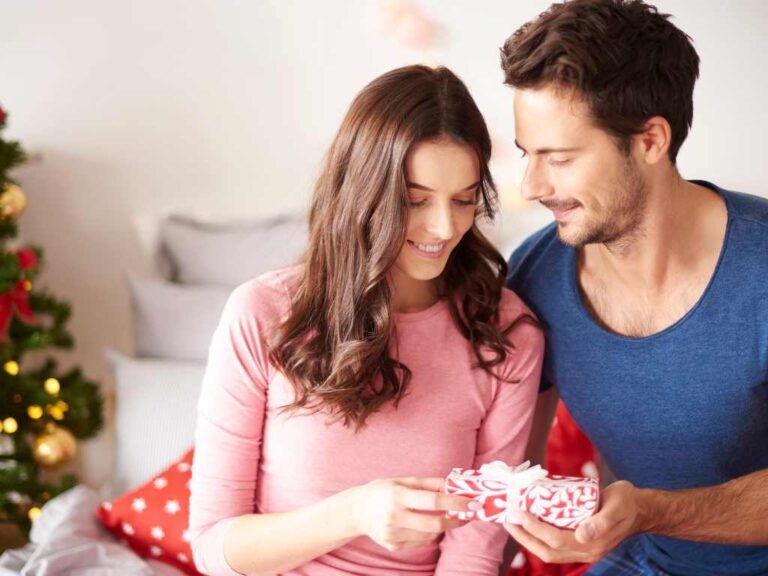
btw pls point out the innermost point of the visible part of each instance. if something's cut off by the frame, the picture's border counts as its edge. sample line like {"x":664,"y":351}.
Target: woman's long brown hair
{"x":334,"y":346}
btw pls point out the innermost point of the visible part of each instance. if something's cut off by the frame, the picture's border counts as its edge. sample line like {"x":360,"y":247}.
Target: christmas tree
{"x":43,"y":411}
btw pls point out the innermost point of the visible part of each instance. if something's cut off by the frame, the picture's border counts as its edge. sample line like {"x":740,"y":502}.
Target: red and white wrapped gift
{"x":562,"y":501}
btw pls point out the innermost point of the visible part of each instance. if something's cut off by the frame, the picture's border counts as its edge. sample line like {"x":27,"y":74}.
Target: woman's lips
{"x":431,"y":253}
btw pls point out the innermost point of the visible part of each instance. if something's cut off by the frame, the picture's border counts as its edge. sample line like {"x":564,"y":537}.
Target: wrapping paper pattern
{"x":562,"y":501}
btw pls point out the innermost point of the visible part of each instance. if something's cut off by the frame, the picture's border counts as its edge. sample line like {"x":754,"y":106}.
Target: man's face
{"x":595,"y":191}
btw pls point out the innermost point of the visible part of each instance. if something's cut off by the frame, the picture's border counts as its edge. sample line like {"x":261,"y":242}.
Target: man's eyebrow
{"x":418,"y":186}
{"x":550,"y":150}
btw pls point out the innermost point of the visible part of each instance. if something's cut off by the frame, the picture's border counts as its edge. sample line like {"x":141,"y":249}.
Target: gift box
{"x":562,"y":501}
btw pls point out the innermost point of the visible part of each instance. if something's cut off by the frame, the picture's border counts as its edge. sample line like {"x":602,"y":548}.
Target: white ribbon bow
{"x":516,"y":479}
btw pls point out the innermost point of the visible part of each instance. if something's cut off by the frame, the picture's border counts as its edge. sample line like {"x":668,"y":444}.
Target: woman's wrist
{"x":346,"y":507}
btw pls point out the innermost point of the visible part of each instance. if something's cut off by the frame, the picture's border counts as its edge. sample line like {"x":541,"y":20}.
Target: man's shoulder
{"x":747,"y":206}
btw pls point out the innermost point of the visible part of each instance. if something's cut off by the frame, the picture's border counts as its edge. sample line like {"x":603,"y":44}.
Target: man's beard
{"x":619,"y":224}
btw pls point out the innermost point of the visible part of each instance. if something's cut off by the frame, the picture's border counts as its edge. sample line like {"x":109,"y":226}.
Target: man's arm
{"x":732,"y":513}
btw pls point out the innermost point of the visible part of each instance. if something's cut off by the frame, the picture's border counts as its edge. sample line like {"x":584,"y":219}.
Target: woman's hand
{"x":402,"y":513}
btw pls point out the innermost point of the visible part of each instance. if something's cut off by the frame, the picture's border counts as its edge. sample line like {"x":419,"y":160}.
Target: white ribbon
{"x":516,"y":478}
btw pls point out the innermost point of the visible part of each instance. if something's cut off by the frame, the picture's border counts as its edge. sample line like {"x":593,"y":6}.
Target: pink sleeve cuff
{"x":208,"y":550}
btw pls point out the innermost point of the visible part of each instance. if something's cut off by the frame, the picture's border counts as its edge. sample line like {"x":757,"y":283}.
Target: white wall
{"x":223,"y":108}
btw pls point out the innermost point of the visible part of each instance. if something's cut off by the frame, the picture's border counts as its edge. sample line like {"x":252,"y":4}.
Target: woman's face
{"x":443,"y":179}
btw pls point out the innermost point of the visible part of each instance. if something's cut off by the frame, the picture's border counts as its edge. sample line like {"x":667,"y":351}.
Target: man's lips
{"x":561,"y":210}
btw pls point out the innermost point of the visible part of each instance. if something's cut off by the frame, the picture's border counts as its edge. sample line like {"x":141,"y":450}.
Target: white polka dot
{"x":155,"y":550}
{"x":160,"y":483}
{"x":183,"y":467}
{"x":157,"y":533}
{"x":139,"y":504}
{"x":107,"y":506}
{"x":589,"y":470}
{"x":182,"y":557}
{"x":172,"y":506}
{"x":185,"y":536}
{"x":519,"y":560}
{"x":128,"y":529}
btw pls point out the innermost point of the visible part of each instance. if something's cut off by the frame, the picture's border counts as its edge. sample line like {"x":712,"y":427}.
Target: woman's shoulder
{"x":265,"y":297}
{"x":511,"y":306}
{"x":526,"y":336}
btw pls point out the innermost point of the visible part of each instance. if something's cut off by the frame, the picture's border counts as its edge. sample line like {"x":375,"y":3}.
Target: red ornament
{"x":2,"y":115}
{"x":15,"y":300}
{"x":27,"y":258}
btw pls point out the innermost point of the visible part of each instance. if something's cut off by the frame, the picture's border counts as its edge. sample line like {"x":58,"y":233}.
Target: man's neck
{"x":681,"y":228}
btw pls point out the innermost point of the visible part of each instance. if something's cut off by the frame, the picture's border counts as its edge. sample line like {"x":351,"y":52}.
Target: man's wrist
{"x":650,"y":506}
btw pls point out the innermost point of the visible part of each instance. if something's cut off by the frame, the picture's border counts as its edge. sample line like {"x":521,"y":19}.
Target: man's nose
{"x":535,"y":183}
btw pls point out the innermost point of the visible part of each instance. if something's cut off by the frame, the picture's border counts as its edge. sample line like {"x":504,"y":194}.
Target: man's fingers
{"x":542,"y":550}
{"x":554,"y":538}
{"x":605,"y":520}
{"x":587,"y":531}
{"x":527,"y":540}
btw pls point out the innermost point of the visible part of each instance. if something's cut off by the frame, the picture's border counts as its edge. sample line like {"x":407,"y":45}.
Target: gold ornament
{"x":55,"y":411}
{"x":35,"y":412}
{"x":52,"y":386}
{"x":12,"y":202}
{"x":34,"y":513}
{"x":12,"y":367}
{"x":54,"y":447}
{"x":10,"y":425}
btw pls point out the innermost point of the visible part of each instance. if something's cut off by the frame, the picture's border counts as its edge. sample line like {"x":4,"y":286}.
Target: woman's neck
{"x":412,"y":295}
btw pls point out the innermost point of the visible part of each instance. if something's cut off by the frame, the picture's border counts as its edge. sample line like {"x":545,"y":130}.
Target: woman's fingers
{"x":430,"y":500}
{"x":430,"y":523}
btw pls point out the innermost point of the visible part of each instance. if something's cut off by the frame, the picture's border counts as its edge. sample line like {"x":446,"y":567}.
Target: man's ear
{"x":652,"y":144}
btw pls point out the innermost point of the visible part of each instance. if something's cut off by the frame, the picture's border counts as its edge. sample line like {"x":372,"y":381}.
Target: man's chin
{"x":568,"y":235}
{"x":575,"y":237}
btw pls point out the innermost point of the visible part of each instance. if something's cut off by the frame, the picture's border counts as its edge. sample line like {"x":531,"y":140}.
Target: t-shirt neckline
{"x":576,"y":294}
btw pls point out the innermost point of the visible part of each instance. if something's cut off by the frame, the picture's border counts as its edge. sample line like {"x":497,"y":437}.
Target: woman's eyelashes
{"x":416,"y":202}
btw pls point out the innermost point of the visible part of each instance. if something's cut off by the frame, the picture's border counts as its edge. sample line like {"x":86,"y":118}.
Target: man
{"x":654,"y":293}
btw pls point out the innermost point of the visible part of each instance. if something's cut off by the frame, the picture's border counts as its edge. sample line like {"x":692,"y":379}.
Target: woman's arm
{"x":384,"y":510}
{"x":477,"y":548}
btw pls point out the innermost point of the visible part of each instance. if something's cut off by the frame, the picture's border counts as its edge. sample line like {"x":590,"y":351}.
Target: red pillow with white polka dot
{"x":153,"y":518}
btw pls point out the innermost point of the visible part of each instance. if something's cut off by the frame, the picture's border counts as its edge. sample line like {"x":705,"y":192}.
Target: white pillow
{"x":174,"y":320}
{"x":155,"y":413}
{"x":230,"y":254}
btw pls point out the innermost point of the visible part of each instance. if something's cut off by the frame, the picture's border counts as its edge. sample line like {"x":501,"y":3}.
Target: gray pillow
{"x":230,"y":254}
{"x":155,"y":413}
{"x":174,"y":320}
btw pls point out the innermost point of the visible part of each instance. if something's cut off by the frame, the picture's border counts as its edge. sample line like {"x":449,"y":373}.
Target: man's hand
{"x":617,"y":520}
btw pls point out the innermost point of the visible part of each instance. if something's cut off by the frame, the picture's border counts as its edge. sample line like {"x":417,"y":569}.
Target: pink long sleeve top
{"x":252,"y":457}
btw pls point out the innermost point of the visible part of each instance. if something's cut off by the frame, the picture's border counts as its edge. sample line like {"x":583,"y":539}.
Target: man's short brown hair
{"x":627,"y":61}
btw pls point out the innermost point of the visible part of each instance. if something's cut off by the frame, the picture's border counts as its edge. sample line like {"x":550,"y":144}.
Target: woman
{"x":339,"y":393}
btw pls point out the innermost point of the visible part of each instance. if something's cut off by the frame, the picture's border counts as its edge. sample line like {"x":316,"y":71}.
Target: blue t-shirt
{"x":685,"y":407}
